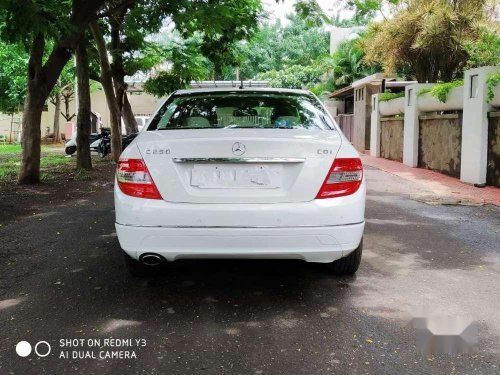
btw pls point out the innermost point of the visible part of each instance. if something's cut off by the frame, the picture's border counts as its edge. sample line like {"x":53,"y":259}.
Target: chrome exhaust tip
{"x":151,"y":259}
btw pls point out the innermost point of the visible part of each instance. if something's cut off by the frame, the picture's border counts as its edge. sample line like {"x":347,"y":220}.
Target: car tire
{"x":70,"y":150}
{"x":136,"y":268}
{"x":349,"y":264}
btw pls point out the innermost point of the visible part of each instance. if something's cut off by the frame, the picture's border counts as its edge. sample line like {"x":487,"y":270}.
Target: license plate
{"x":236,"y":176}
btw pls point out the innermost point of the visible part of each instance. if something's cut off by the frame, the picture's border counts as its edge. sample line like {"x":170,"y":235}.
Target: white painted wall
{"x":142,"y":104}
{"x":474,"y":157}
{"x":392,"y":107}
{"x":471,"y":98}
{"x":375,"y":126}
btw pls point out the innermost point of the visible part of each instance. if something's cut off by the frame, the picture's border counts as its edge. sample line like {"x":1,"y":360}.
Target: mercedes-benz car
{"x":240,"y":173}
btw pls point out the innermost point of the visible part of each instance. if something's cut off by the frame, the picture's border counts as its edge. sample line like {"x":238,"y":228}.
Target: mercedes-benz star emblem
{"x":239,"y":148}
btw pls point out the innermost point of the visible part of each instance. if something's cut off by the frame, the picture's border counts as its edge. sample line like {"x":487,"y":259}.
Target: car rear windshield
{"x":241,"y":110}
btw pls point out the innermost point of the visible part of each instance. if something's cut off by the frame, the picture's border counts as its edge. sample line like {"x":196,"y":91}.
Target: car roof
{"x":241,"y":90}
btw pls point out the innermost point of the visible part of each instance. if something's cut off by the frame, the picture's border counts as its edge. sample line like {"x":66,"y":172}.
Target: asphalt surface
{"x":62,"y":277}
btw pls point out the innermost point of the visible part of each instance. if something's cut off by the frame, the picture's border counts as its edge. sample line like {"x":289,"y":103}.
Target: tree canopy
{"x":429,"y":36}
{"x":12,"y":77}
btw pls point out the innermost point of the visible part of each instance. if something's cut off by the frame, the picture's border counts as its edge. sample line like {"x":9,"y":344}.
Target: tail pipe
{"x":152,"y":260}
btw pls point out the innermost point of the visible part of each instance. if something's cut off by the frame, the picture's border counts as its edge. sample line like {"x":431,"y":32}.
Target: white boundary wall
{"x":471,"y":98}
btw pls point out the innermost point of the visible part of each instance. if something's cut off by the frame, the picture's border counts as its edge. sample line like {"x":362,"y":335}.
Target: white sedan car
{"x":240,"y":173}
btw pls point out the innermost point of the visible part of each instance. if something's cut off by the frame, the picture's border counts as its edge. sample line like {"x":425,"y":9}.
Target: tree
{"x":129,"y":27}
{"x":311,"y":12}
{"x":83,"y":159}
{"x":485,"y":50}
{"x":62,"y":93}
{"x":107,"y":85}
{"x":293,"y":77}
{"x":221,"y":24}
{"x":429,"y":36}
{"x":186,"y":64}
{"x":12,"y":77}
{"x":33,"y":23}
{"x":369,"y":9}
{"x":206,"y":39}
{"x":276,"y":47}
{"x":349,"y":64}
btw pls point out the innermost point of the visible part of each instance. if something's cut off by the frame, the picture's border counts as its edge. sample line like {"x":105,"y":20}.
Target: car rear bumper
{"x":318,"y":212}
{"x":320,"y":244}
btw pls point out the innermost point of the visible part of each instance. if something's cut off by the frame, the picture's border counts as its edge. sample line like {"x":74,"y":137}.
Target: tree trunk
{"x":41,"y":80}
{"x":118,"y":71}
{"x":57,"y":116}
{"x":107,"y":85}
{"x":36,"y":94}
{"x":128,"y":116}
{"x":83,"y":159}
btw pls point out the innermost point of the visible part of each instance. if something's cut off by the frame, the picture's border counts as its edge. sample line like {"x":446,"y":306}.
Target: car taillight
{"x":344,"y":178}
{"x":134,"y":179}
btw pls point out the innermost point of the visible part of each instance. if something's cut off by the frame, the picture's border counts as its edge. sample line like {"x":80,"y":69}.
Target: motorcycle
{"x":103,"y":145}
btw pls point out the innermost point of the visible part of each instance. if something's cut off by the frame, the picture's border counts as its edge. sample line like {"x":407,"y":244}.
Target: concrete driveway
{"x":62,"y":281}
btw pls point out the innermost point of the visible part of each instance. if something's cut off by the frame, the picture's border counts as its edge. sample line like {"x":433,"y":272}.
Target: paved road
{"x":62,"y":278}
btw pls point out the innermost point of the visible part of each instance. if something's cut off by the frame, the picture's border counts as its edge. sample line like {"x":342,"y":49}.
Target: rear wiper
{"x":234,"y":126}
{"x":191,"y":127}
{"x":323,"y":118}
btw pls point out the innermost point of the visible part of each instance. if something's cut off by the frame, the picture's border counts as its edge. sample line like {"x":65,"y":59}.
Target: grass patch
{"x":9,"y":168}
{"x":14,"y":149}
{"x":10,"y":149}
{"x":82,"y":175}
{"x":53,"y":166}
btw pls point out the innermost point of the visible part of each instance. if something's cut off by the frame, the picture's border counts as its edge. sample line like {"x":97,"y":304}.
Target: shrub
{"x":492,"y":81}
{"x":441,"y":90}
{"x":386,"y":96}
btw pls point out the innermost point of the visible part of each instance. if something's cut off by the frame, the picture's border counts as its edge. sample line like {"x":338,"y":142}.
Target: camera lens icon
{"x":42,"y":349}
{"x":23,"y":348}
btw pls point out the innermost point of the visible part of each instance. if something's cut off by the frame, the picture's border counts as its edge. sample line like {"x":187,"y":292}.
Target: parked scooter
{"x":103,"y":145}
{"x":70,"y":146}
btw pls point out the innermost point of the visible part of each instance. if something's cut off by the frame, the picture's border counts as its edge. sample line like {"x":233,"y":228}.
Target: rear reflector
{"x":344,"y":178}
{"x":134,"y":179}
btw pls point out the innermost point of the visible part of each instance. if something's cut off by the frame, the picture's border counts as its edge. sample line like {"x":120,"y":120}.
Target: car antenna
{"x":241,"y":86}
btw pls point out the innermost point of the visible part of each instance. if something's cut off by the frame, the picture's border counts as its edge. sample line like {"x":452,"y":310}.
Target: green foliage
{"x":10,"y":159}
{"x":21,"y":20}
{"x":485,"y":51}
{"x":386,"y":96}
{"x":310,"y":11}
{"x":187,"y":64}
{"x":441,"y":90}
{"x":429,"y":36}
{"x":349,"y":64}
{"x":275,"y":47}
{"x":366,"y":10}
{"x":221,"y":24}
{"x":10,"y":149}
{"x":293,"y":77}
{"x":13,"y":72}
{"x":205,"y":38}
{"x":322,"y":88}
{"x":342,"y":68}
{"x":492,"y":82}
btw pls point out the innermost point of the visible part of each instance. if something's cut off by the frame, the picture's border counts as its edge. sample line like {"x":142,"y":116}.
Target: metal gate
{"x":346,"y":123}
